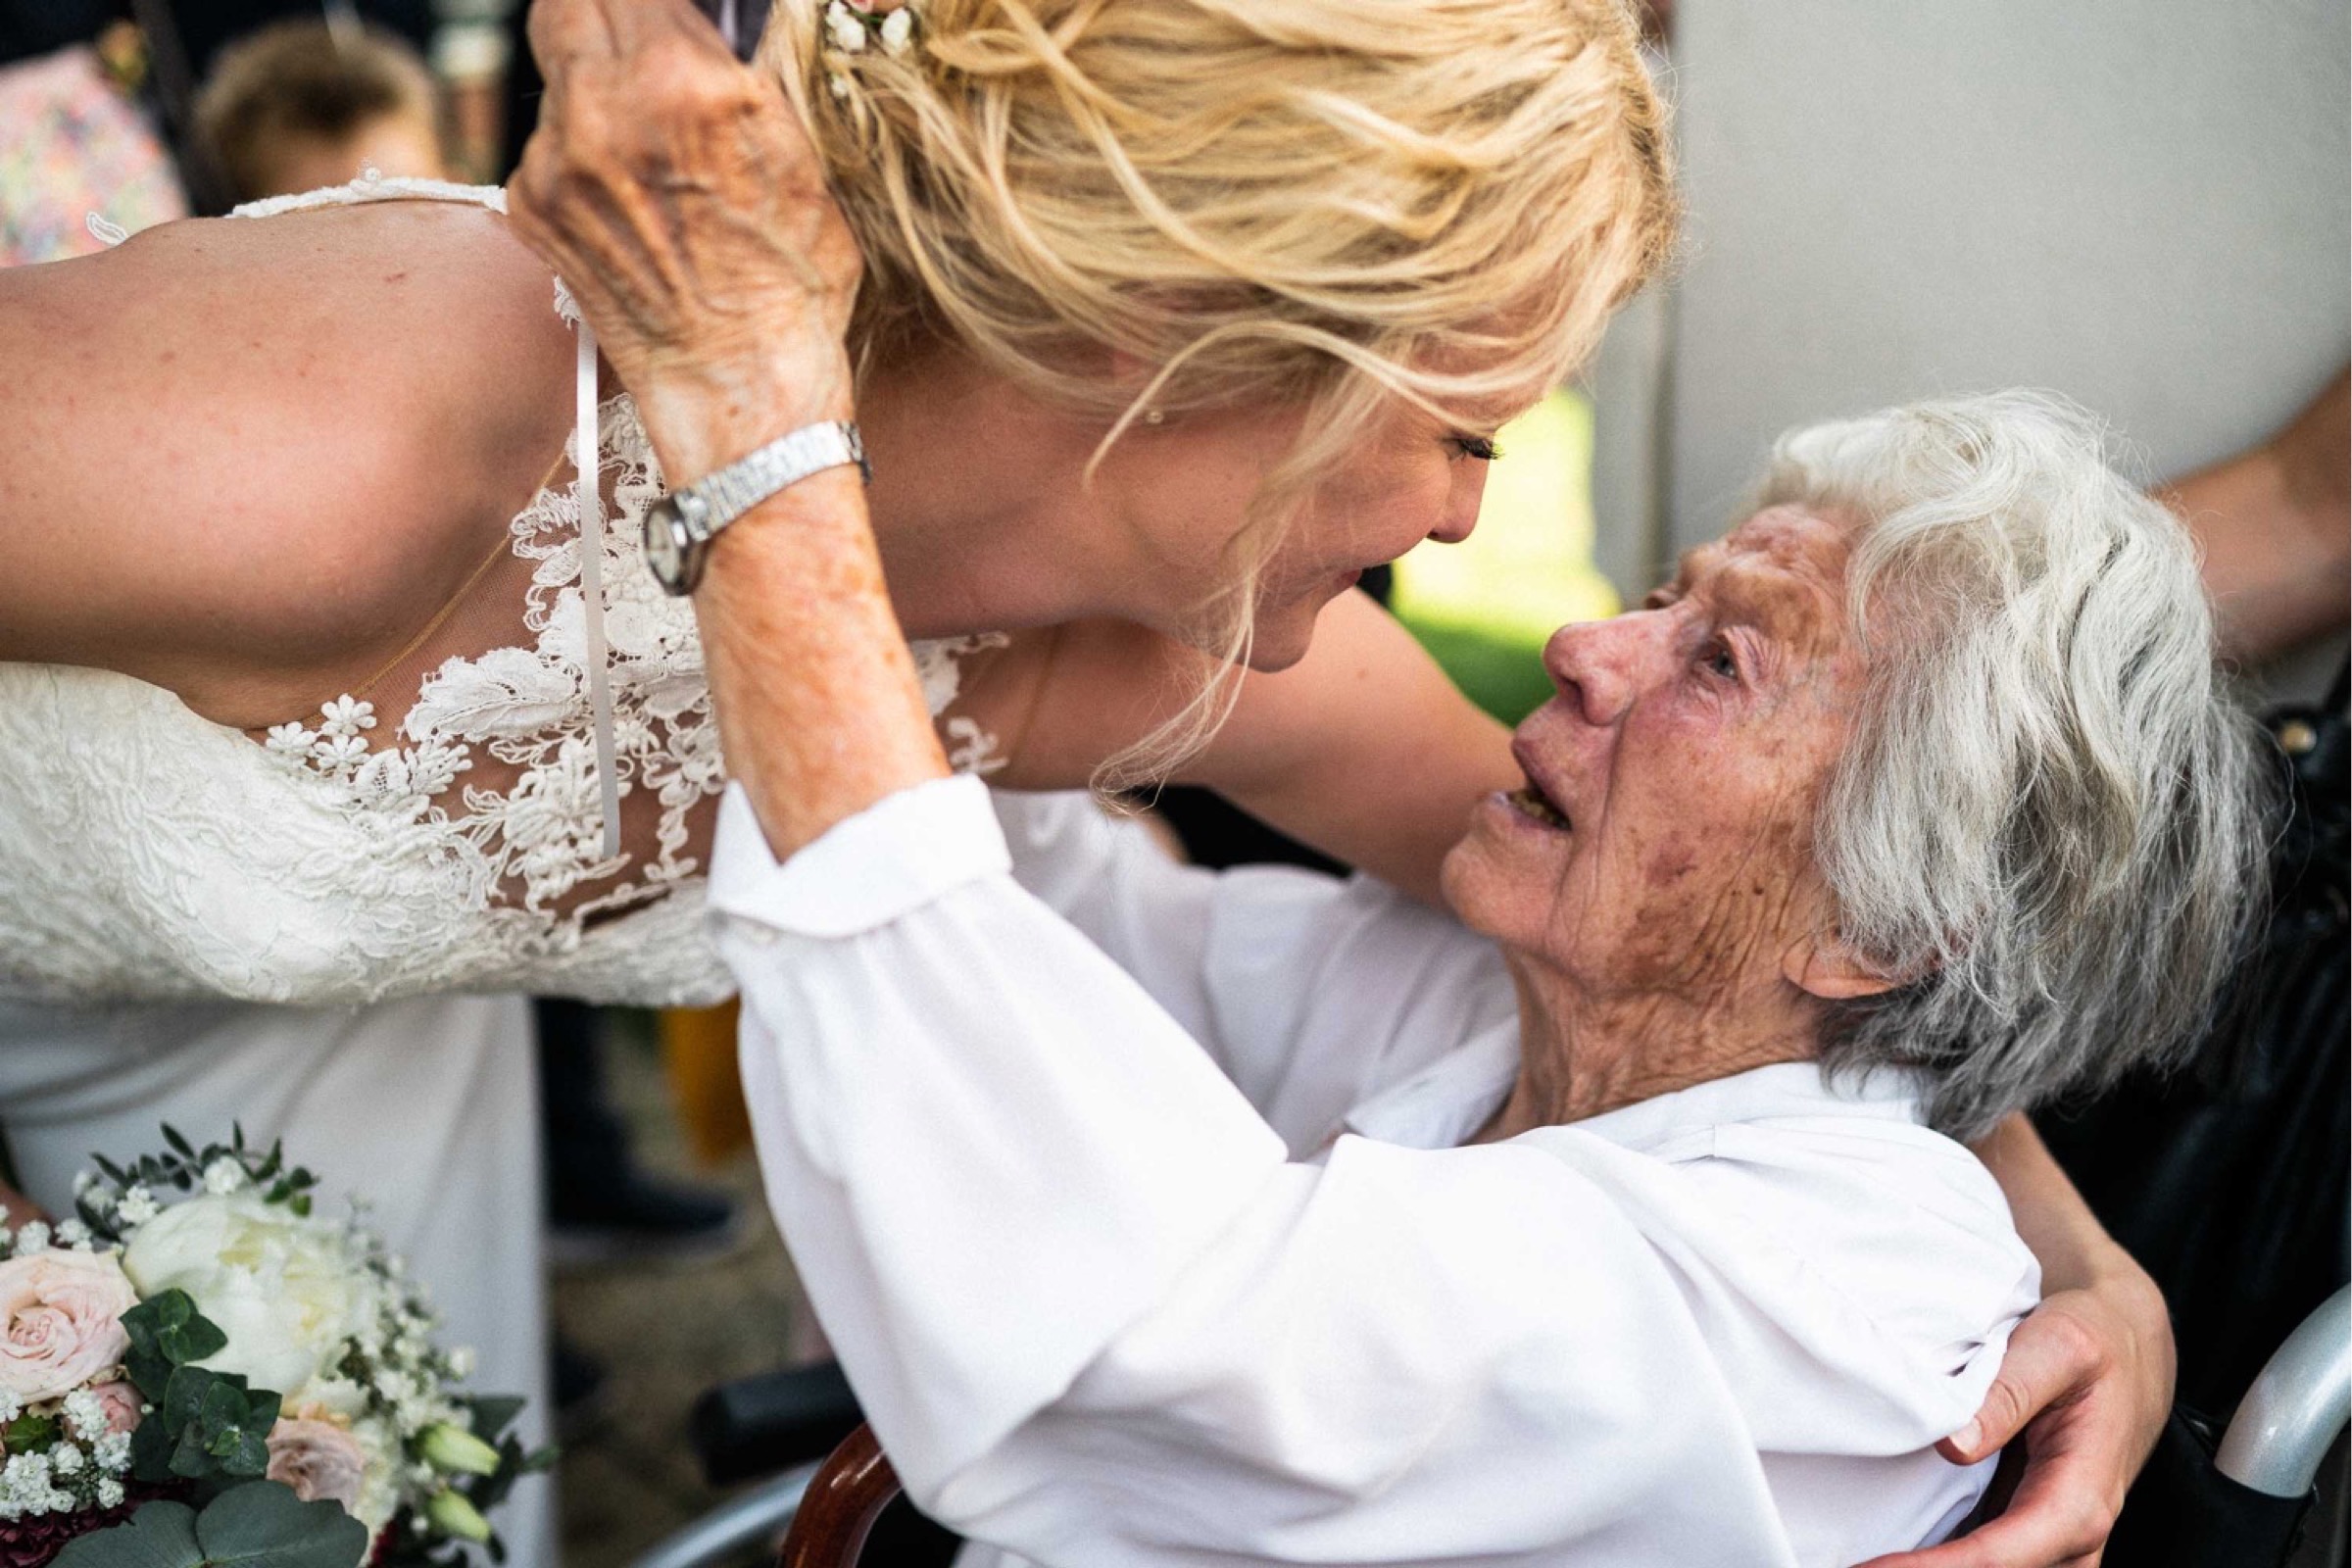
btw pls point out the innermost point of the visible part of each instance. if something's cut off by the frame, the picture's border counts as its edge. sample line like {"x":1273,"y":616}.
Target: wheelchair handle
{"x":2298,"y":1403}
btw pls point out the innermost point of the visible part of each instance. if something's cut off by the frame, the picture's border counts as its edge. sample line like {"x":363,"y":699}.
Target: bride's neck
{"x":977,"y":501}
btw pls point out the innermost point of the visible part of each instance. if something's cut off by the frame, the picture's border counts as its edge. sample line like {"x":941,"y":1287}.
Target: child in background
{"x":299,"y":105}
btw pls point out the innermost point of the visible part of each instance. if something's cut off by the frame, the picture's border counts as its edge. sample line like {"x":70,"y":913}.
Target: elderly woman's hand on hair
{"x":676,"y":193}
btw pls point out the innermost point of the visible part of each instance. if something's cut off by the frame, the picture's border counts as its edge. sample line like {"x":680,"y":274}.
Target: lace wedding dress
{"x":361,"y":852}
{"x":199,"y":924}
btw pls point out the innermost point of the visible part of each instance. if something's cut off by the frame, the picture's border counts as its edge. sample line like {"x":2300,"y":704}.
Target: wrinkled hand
{"x":677,"y":196}
{"x":2088,"y":1380}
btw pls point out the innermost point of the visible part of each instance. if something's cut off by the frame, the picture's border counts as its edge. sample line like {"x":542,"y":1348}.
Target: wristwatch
{"x":680,"y":525}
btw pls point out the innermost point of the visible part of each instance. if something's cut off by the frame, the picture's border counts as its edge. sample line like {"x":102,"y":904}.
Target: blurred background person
{"x":302,"y":103}
{"x":79,"y":135}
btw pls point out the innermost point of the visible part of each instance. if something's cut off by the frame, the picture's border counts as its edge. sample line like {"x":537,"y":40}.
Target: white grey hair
{"x":2048,"y":816}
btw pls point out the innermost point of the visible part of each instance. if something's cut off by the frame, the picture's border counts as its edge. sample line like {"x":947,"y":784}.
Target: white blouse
{"x":1129,"y":1195}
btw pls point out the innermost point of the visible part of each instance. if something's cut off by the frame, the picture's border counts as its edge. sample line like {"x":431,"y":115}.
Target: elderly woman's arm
{"x":1096,"y":1315}
{"x":2088,"y":1381}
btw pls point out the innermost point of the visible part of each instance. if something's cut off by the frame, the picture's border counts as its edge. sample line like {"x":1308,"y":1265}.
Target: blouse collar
{"x":1445,"y":1103}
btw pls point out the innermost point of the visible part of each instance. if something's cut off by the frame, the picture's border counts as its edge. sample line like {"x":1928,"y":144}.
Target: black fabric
{"x":2229,"y":1182}
{"x":2185,"y":1514}
{"x":31,"y":28}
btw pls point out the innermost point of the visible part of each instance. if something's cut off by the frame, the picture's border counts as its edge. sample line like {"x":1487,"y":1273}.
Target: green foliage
{"x":30,"y":1433}
{"x":181,"y":1168}
{"x":207,"y":1426}
{"x":259,"y":1524}
{"x":489,"y":1416}
{"x":166,"y":1331}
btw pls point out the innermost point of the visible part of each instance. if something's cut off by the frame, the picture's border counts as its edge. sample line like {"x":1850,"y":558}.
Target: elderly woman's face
{"x":1664,"y":843}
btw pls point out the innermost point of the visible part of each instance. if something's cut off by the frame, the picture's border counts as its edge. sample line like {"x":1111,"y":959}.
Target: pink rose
{"x":317,"y":1459}
{"x":60,"y":1321}
{"x":121,"y":1403}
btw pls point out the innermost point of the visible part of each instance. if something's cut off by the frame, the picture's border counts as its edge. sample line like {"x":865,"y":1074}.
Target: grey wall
{"x":2140,"y":203}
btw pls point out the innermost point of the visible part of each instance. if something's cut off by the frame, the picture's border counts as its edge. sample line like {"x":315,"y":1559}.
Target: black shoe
{"x":634,"y":1218}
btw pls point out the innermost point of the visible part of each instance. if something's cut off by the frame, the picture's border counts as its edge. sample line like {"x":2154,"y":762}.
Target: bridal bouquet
{"x":196,"y":1369}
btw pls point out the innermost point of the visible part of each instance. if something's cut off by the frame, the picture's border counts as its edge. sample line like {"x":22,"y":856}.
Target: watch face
{"x":666,"y":546}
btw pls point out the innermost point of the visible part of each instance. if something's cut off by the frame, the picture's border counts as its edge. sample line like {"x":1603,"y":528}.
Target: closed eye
{"x":1481,"y":447}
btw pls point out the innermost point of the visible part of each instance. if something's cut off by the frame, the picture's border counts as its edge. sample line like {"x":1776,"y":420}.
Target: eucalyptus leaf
{"x":193,"y":1339}
{"x":248,"y":1456}
{"x":264,"y":1524}
{"x":493,"y":1413}
{"x":260,"y":1524}
{"x":160,"y":1534}
{"x":224,"y":1407}
{"x":184,"y":1395}
{"x":192,"y":1459}
{"x":151,"y":1445}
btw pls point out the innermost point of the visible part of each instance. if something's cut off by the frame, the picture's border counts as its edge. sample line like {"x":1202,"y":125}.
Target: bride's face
{"x":1187,"y":489}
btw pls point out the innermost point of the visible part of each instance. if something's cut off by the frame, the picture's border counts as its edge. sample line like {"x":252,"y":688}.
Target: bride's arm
{"x":1363,"y":748}
{"x":244,"y":457}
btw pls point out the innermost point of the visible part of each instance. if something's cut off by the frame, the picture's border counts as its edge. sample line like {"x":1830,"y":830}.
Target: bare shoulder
{"x":246,"y":450}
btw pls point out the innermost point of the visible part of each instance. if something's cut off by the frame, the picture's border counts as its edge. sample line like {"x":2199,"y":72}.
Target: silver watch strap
{"x":786,"y":460}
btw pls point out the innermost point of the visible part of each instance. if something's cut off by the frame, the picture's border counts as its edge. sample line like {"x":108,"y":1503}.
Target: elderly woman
{"x":1162,"y":1217}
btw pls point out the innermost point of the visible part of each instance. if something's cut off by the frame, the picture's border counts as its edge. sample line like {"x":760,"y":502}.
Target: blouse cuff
{"x":902,"y":852}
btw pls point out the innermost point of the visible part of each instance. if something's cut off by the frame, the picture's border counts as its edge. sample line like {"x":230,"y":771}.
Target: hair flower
{"x":847,"y":27}
{"x":898,"y":30}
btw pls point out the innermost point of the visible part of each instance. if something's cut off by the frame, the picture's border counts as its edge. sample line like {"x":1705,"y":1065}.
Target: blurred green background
{"x":1484,"y":608}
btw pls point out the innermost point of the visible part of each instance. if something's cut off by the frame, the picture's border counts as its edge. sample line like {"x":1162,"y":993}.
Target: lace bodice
{"x":364,"y":852}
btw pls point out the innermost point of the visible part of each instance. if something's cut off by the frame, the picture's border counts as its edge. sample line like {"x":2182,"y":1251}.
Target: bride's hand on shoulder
{"x":677,"y":195}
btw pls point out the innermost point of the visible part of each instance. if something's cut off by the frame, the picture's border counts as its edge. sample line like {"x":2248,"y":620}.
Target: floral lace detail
{"x":148,"y":854}
{"x":527,"y":707}
{"x":372,"y":186}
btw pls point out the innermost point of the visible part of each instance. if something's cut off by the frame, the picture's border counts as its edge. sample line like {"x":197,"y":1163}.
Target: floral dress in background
{"x":72,"y":144}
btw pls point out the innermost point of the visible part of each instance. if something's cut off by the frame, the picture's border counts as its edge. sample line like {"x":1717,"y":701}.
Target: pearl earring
{"x":1155,"y":416}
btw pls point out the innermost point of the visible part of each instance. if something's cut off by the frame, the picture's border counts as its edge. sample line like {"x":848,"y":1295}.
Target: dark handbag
{"x":2229,"y":1179}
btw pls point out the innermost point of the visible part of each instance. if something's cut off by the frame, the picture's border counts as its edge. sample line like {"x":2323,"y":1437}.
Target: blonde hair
{"x":1314,"y":203}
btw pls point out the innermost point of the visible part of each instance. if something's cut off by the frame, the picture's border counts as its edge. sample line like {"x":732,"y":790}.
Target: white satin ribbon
{"x":592,"y":589}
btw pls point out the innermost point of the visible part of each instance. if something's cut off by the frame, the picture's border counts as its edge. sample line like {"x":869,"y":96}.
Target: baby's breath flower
{"x":846,"y":31}
{"x":64,"y":1460}
{"x":110,"y":1494}
{"x":73,"y":1233}
{"x":898,"y":30}
{"x":224,"y":1175}
{"x":32,"y":1238}
{"x":85,"y":1414}
{"x":138,"y":1206}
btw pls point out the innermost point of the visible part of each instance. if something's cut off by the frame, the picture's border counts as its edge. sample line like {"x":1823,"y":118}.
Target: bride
{"x":326,"y":689}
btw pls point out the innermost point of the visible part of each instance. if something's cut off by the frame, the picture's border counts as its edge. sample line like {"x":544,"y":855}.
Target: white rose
{"x":281,"y":1287}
